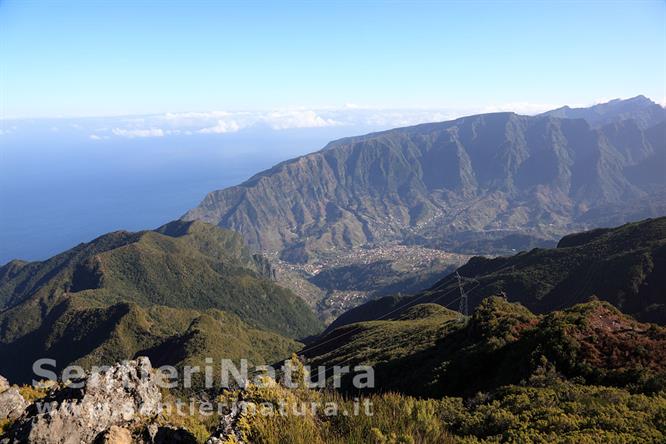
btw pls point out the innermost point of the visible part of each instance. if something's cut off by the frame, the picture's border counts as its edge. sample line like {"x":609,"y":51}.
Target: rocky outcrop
{"x":4,"y":384}
{"x":12,"y":403}
{"x":87,"y":410}
{"x":115,"y":435}
{"x":264,"y":267}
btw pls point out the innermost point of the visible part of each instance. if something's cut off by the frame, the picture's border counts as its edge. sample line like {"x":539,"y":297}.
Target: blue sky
{"x":94,"y":58}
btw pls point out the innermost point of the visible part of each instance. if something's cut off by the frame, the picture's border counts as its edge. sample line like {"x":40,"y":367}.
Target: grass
{"x":547,"y":409}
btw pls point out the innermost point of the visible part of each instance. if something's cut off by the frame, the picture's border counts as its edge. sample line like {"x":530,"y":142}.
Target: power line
{"x":463,"y":306}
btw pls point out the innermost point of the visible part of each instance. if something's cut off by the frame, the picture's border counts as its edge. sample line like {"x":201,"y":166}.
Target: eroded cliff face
{"x":489,"y":173}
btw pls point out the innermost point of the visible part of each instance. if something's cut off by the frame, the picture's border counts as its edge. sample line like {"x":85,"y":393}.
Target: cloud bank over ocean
{"x":225,"y":122}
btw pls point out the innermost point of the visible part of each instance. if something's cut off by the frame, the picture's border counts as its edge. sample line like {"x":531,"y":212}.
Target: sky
{"x":94,"y":58}
{"x":153,"y":104}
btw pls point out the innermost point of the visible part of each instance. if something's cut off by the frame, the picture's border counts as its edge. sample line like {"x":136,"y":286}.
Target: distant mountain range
{"x":625,"y":266}
{"x":179,"y":293}
{"x":475,"y":179}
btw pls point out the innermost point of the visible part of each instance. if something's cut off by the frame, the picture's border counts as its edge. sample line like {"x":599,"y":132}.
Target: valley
{"x":392,"y":212}
{"x":334,"y":283}
{"x":622,"y":265}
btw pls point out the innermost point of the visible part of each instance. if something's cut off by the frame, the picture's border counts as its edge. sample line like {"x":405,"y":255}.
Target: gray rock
{"x":115,"y":435}
{"x":12,"y":403}
{"x":119,"y":396}
{"x":4,"y":384}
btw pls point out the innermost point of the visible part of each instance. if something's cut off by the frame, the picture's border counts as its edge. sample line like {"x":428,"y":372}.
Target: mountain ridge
{"x":639,"y":108}
{"x":124,"y":294}
{"x":622,"y":265}
{"x":498,"y":172}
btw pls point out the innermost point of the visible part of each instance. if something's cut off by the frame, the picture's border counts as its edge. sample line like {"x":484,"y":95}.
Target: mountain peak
{"x":641,"y":109}
{"x":640,"y":98}
{"x":178,"y":228}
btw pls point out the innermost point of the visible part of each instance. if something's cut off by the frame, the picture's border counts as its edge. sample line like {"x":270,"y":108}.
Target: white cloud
{"x":131,"y":133}
{"x":98,"y":137}
{"x":397,"y":118}
{"x":221,"y":127}
{"x":598,"y":101}
{"x":358,"y":118}
{"x":221,"y":122}
{"x":520,"y":108}
{"x":279,"y":120}
{"x":196,"y":116}
{"x":224,"y":122}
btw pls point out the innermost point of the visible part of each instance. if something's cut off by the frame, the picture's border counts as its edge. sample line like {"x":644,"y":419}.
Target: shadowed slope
{"x":439,"y":353}
{"x":625,"y":266}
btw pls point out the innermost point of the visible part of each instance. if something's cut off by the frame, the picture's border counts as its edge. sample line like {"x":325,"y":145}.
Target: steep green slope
{"x":434,"y":352}
{"x":184,"y":265}
{"x":625,"y":266}
{"x":490,"y":175}
{"x":127,"y":292}
{"x":78,"y":331}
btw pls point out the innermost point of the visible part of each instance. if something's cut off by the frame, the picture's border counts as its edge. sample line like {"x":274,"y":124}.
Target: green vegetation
{"x":430,"y":351}
{"x":179,"y":293}
{"x":625,"y":266}
{"x":31,"y":393}
{"x":201,"y":426}
{"x":186,"y":291}
{"x":588,"y":374}
{"x":545,"y":409}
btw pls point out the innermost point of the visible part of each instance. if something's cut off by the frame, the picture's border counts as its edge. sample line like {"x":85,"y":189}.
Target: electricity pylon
{"x":463,"y":307}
